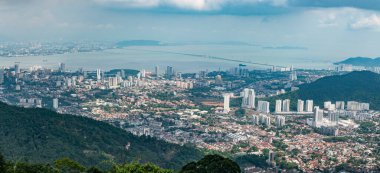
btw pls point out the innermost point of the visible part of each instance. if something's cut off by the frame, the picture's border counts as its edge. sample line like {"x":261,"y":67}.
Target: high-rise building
{"x":333,"y":117}
{"x":1,"y":76}
{"x":300,"y":105}
{"x":357,"y":106}
{"x":62,"y":67}
{"x":226,"y":103}
{"x":248,"y":100}
{"x":156,"y":71}
{"x":263,"y":106}
{"x":318,"y":116}
{"x":113,"y":82}
{"x":339,"y":105}
{"x":271,"y":158}
{"x":293,"y":75}
{"x":55,"y":103}
{"x":169,"y":72}
{"x":17,"y":68}
{"x":327,"y":104}
{"x":256,"y":120}
{"x":309,"y":105}
{"x":286,"y":105}
{"x":280,"y":121}
{"x":98,"y":75}
{"x":278,"y":106}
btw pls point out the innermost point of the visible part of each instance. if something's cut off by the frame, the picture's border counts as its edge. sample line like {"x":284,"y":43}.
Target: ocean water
{"x":148,"y":57}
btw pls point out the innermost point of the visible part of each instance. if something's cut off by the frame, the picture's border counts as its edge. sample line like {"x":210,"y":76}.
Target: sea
{"x":183,"y":58}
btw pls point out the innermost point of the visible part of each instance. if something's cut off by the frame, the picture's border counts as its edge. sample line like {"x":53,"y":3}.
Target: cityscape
{"x":225,"y":111}
{"x":189,"y":86}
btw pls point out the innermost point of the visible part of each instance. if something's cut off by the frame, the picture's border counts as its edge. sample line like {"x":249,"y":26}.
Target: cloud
{"x":193,"y":5}
{"x":371,"y":22}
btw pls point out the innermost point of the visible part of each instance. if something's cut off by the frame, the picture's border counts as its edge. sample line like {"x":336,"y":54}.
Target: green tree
{"x":2,"y":163}
{"x":212,"y":164}
{"x":67,"y":165}
{"x":139,"y":168}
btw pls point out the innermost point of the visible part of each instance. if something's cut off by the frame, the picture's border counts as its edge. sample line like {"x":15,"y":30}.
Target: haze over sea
{"x":146,"y":57}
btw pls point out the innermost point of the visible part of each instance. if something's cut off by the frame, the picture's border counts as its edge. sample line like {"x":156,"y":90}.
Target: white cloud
{"x":198,"y":5}
{"x":369,"y":22}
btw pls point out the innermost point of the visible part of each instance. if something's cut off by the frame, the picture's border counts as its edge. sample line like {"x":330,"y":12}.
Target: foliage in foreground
{"x":209,"y":164}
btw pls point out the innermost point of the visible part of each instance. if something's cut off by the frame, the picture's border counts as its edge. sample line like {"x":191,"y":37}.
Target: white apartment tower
{"x":286,"y":105}
{"x":263,"y":106}
{"x":278,"y":106}
{"x":300,"y":105}
{"x":309,"y":106}
{"x":226,"y":103}
{"x":248,"y":100}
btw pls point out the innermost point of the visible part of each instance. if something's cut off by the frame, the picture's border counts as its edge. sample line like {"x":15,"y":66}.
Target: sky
{"x":349,"y":26}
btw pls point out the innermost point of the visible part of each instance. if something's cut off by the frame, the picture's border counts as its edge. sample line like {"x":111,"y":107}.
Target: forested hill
{"x":361,"y":61}
{"x":39,"y":135}
{"x":361,"y":86}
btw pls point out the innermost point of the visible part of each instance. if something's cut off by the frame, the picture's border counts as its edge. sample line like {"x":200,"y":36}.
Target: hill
{"x":40,"y":136}
{"x":361,"y":86}
{"x":361,"y":61}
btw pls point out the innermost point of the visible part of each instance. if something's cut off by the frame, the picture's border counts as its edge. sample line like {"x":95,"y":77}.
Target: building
{"x":226,"y":103}
{"x":271,"y":158}
{"x":280,"y":121}
{"x":293,"y":76}
{"x":333,"y":117}
{"x":113,"y":82}
{"x":300,"y":105}
{"x":169,"y":72}
{"x":357,"y":106}
{"x":156,"y":71}
{"x":263,"y":106}
{"x":309,"y":106}
{"x":55,"y":103}
{"x":17,"y":68}
{"x":248,"y":98}
{"x":256,"y":120}
{"x":278,"y":107}
{"x":98,"y":74}
{"x":218,"y":80}
{"x":318,"y":117}
{"x":62,"y":67}
{"x":339,"y":105}
{"x":286,"y":105}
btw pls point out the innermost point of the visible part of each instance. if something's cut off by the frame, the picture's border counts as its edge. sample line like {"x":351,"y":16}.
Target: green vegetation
{"x":66,"y":165}
{"x":212,"y":164}
{"x":43,"y":136}
{"x":361,"y":86}
{"x":368,"y":127}
{"x":280,"y":145}
{"x":252,"y":160}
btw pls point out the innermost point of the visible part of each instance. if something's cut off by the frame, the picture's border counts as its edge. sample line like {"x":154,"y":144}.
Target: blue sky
{"x":348,"y":26}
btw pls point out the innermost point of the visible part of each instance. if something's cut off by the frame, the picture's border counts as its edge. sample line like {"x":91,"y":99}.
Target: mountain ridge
{"x":40,"y":135}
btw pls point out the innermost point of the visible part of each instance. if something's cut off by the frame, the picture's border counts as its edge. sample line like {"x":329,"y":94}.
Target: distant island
{"x":361,"y":61}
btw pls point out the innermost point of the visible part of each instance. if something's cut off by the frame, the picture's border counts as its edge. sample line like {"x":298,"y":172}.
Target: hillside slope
{"x":361,"y":61}
{"x":39,"y":135}
{"x":361,"y":86}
